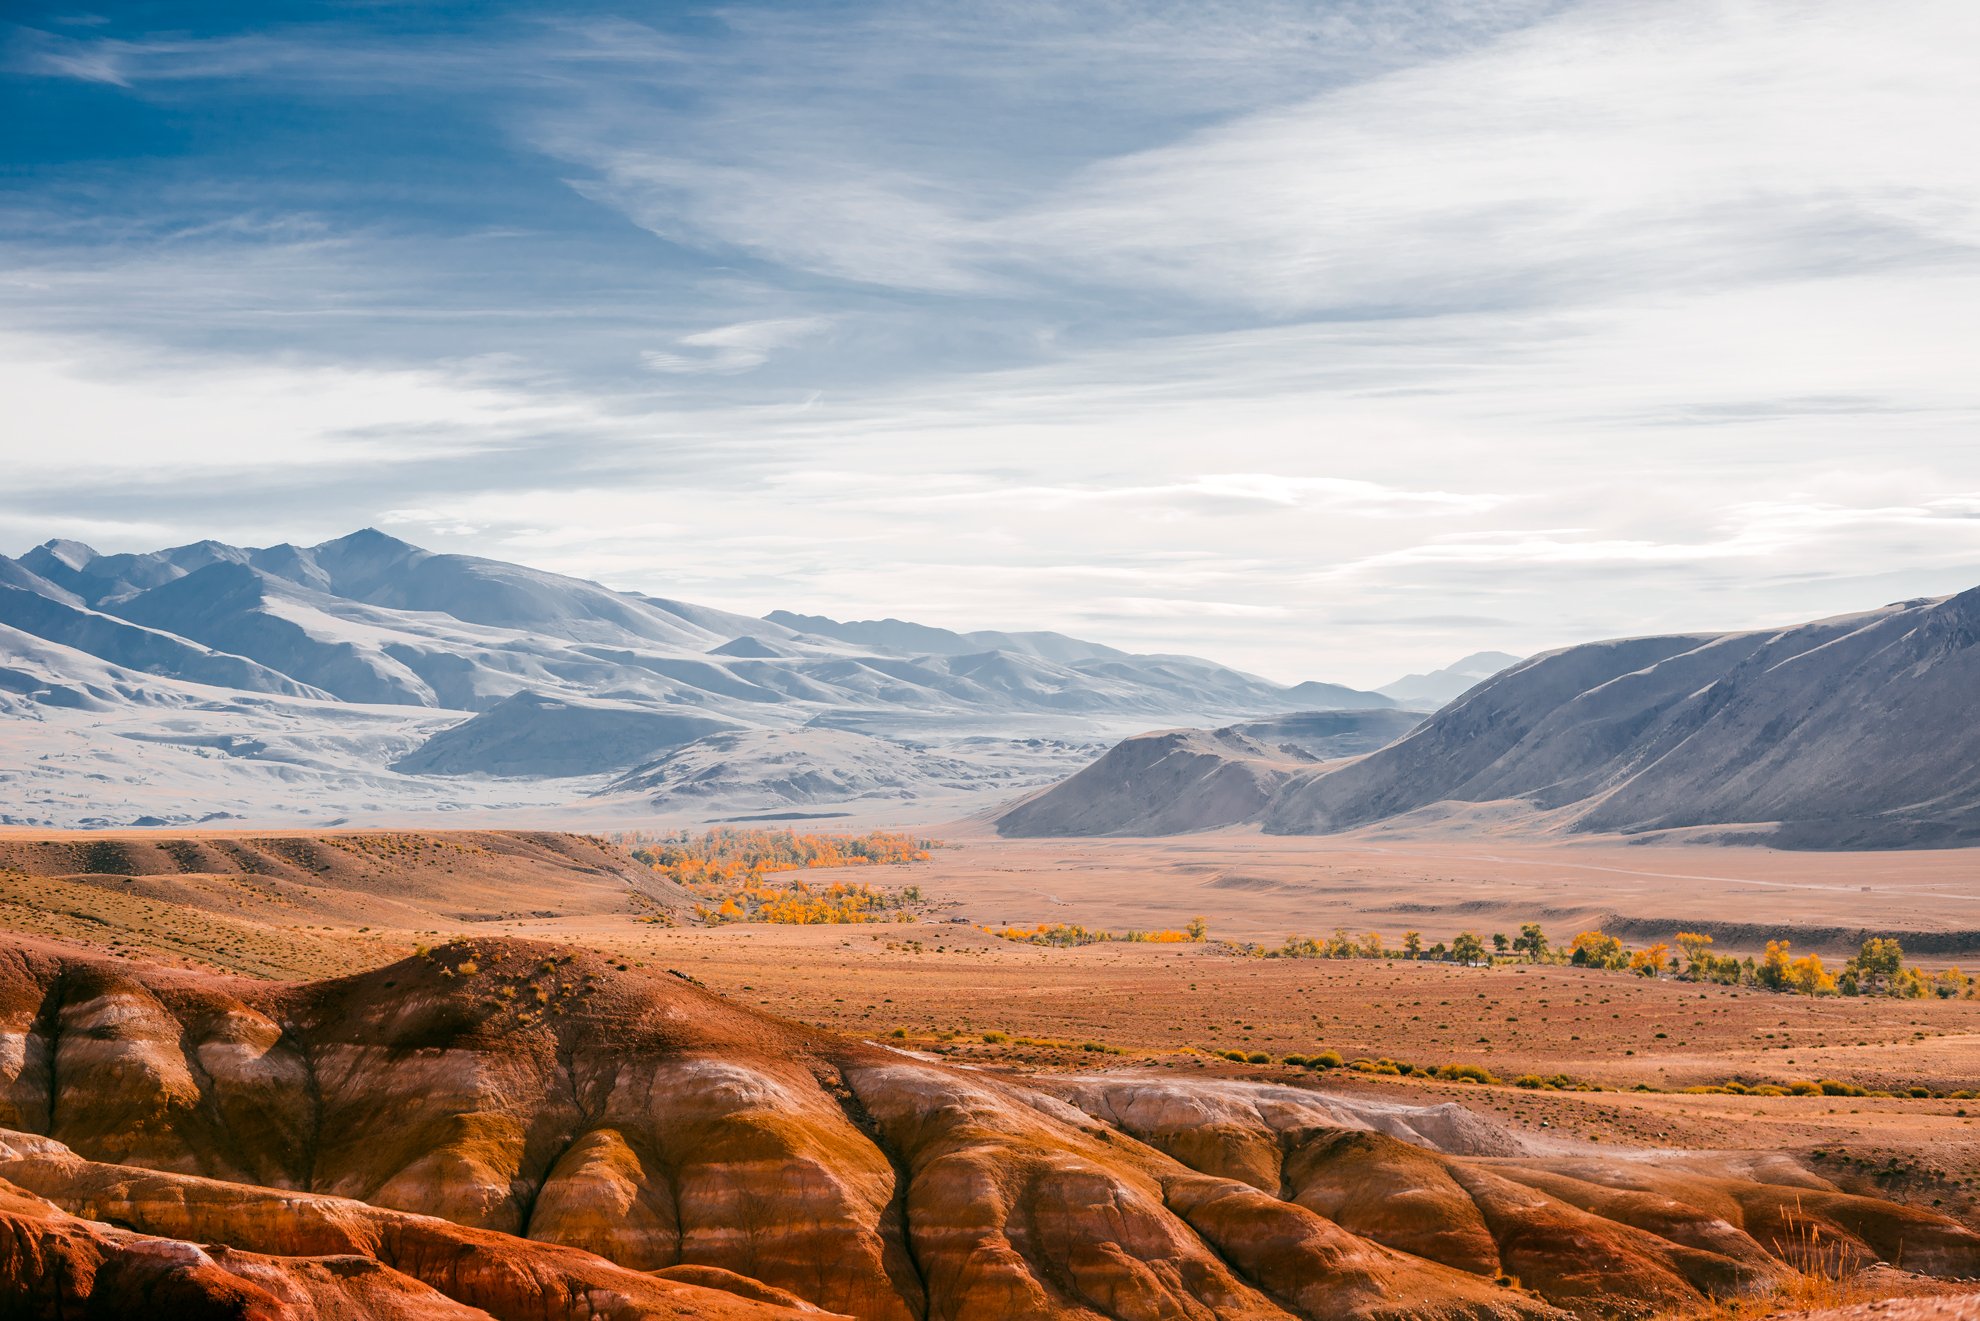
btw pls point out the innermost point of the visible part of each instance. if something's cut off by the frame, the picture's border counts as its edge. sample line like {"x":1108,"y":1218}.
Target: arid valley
{"x":1274,"y":660}
{"x":1192,"y":1053}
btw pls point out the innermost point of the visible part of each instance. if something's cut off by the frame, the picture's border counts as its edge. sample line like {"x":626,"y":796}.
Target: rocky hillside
{"x":1853,"y":732}
{"x":518,"y":1130}
{"x":1165,"y":783}
{"x":1177,"y":780}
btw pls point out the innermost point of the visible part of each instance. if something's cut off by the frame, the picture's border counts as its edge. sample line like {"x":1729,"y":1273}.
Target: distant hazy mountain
{"x":500,"y":671}
{"x":1177,"y":780}
{"x":1860,"y":731}
{"x":898,"y":637}
{"x":1316,"y":696}
{"x":1429,"y":691}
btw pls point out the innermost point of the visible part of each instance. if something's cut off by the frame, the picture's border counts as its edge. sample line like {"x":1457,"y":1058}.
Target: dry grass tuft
{"x":1825,"y":1272}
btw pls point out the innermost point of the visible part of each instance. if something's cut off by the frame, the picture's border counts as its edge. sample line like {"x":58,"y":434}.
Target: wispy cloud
{"x":150,"y":418}
{"x":1606,"y":150}
{"x":1333,"y":340}
{"x":734,"y":348}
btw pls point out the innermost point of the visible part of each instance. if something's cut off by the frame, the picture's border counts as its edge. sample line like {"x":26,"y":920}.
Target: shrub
{"x":1467,"y":1073}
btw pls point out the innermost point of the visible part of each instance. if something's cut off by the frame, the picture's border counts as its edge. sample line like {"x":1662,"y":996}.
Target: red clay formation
{"x":519,"y":1130}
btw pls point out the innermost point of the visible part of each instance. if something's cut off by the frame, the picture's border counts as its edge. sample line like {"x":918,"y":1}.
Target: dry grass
{"x":1826,"y":1272}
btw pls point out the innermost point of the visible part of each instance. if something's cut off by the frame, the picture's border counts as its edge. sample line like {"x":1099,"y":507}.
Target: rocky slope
{"x":519,"y":1130}
{"x":1853,"y":732}
{"x":1164,"y":783}
{"x":1849,"y":732}
{"x":1177,"y":780}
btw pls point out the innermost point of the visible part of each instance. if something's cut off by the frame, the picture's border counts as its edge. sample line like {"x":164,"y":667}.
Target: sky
{"x":1328,"y":340}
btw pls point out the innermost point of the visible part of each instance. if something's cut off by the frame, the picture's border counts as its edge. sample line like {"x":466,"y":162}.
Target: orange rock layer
{"x":518,"y":1130}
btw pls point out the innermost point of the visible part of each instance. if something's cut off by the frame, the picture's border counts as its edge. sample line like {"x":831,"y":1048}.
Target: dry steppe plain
{"x":291,"y":907}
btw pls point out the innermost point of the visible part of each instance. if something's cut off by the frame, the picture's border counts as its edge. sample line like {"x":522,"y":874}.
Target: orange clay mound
{"x":520,"y":1130}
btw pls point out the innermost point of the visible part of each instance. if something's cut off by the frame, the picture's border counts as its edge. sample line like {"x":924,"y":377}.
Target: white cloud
{"x":1617,"y":147}
{"x":730,"y":349}
{"x":1170,"y":607}
{"x":118,"y":413}
{"x":1644,"y":315}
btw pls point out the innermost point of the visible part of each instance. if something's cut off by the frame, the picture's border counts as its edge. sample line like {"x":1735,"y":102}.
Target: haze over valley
{"x":210,"y":682}
{"x":1309,"y":660}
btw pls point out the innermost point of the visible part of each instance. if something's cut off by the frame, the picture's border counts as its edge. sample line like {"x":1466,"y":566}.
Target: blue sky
{"x":1330,"y":340}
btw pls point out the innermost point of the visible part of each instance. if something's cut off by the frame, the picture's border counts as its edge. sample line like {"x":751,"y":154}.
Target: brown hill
{"x":250,"y":902}
{"x":1163,"y":783}
{"x":537,"y":1132}
{"x":1173,"y":781}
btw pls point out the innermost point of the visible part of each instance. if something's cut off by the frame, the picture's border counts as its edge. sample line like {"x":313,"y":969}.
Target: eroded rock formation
{"x":519,"y":1130}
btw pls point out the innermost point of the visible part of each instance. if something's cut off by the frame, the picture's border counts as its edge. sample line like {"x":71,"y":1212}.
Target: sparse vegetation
{"x":1879,"y":969}
{"x":1068,"y":934}
{"x":730,"y":856}
{"x":726,"y":870}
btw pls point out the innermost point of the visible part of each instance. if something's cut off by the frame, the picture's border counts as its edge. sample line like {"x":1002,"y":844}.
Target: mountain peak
{"x":361,"y":561}
{"x":368,"y":540}
{"x":73,"y":554}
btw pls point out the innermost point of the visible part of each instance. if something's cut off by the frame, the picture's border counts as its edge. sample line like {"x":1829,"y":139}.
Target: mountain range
{"x":381,"y":677}
{"x":1850,"y":732}
{"x":1432,"y":690}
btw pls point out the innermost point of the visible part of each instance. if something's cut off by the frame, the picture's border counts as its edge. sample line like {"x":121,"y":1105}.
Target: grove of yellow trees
{"x":726,"y":870}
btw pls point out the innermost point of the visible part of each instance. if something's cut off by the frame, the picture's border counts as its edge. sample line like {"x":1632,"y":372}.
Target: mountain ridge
{"x":1853,"y":731}
{"x":305,"y":653}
